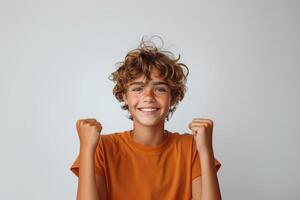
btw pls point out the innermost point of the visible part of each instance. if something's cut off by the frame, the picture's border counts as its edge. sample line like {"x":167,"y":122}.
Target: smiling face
{"x":148,"y":100}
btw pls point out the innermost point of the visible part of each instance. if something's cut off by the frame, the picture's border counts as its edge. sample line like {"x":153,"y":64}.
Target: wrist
{"x":87,"y":149}
{"x":205,"y":150}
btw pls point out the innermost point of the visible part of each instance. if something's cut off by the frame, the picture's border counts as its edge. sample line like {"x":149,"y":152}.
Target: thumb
{"x":190,"y":125}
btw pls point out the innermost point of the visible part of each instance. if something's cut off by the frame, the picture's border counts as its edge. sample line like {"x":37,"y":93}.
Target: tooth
{"x":148,"y":109}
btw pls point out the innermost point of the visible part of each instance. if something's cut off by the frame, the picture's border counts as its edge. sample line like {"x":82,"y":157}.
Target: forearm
{"x":87,"y":189}
{"x":210,"y":186}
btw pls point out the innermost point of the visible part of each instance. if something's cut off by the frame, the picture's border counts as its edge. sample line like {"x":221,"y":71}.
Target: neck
{"x":148,"y":135}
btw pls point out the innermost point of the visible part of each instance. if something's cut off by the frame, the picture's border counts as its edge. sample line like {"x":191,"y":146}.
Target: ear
{"x":172,"y":102}
{"x":125,"y":99}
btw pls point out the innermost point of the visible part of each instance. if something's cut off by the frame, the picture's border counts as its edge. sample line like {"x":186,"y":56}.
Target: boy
{"x":147,"y":162}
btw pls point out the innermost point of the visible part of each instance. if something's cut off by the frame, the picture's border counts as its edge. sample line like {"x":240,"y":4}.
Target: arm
{"x":196,"y":188}
{"x":210,"y":189}
{"x":208,"y":181}
{"x":202,"y":130}
{"x":88,"y":183}
{"x":87,"y":188}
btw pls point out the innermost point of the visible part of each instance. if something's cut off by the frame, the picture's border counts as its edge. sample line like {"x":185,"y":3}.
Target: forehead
{"x":154,"y":77}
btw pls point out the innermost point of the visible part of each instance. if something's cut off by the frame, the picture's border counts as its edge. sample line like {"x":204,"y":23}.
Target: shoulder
{"x":110,"y":144}
{"x":183,"y":141}
{"x":112,"y":138}
{"x":183,"y":137}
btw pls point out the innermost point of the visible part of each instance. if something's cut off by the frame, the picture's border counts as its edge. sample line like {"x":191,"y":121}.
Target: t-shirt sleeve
{"x":99,"y":160}
{"x":196,"y":167}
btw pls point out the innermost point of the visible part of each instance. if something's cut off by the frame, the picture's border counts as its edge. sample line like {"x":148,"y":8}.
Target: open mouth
{"x":148,"y":110}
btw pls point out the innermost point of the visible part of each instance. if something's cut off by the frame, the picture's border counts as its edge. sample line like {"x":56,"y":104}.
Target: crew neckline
{"x":148,"y":149}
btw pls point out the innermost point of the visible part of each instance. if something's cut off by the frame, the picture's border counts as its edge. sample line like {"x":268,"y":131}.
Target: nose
{"x":149,"y":95}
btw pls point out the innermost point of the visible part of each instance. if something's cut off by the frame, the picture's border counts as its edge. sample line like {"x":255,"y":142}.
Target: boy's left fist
{"x":202,"y":130}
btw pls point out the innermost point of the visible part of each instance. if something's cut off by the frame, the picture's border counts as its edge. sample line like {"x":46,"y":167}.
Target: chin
{"x":149,"y":122}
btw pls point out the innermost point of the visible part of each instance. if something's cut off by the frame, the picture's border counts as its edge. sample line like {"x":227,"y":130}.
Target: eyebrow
{"x":154,"y":83}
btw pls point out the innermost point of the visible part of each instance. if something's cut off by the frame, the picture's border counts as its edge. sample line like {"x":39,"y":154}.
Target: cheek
{"x":166,"y":100}
{"x":132,"y":101}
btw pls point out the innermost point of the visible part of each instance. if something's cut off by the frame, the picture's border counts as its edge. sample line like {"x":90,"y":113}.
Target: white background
{"x":244,"y":60}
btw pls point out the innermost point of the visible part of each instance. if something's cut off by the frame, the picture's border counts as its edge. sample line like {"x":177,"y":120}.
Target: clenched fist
{"x":202,"y":129}
{"x":89,"y":132}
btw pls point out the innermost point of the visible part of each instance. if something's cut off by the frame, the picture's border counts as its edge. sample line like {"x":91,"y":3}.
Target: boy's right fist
{"x":89,"y":132}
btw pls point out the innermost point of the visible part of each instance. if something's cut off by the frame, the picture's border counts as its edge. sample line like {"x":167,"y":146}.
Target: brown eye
{"x":161,"y":89}
{"x":137,"y":89}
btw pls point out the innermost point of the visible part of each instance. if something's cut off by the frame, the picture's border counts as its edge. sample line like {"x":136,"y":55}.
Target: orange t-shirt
{"x":136,"y":171}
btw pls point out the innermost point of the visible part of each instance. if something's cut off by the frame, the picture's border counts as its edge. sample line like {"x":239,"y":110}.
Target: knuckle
{"x":89,"y":124}
{"x":79,"y":123}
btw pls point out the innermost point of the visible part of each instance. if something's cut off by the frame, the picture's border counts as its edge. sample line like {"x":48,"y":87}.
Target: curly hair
{"x":141,"y":61}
